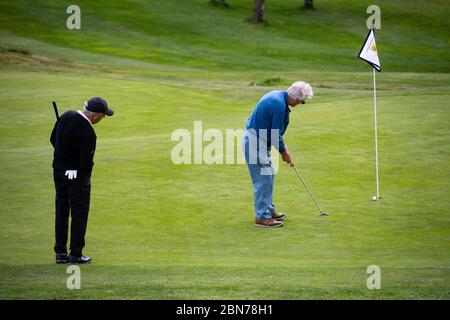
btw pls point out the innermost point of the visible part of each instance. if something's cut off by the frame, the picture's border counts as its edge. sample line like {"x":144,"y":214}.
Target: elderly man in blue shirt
{"x":266,"y":127}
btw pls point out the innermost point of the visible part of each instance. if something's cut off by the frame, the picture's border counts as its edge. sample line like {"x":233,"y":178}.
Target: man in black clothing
{"x":74,"y":139}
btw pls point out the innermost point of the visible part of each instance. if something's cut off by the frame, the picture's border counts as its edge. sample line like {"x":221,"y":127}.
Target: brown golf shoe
{"x":268,"y":223}
{"x":279,"y":216}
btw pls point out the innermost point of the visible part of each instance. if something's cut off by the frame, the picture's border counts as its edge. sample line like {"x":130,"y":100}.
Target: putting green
{"x":163,"y":231}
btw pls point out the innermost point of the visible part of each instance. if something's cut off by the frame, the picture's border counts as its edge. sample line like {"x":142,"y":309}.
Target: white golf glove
{"x":71,"y":174}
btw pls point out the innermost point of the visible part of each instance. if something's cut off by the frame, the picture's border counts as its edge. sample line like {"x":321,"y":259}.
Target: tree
{"x":258,"y":15}
{"x":308,"y":4}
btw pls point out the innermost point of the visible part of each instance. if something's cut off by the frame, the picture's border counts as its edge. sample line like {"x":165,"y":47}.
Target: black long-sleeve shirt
{"x":74,"y":141}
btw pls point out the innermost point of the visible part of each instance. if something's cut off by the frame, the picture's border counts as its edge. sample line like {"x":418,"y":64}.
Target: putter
{"x":56,"y":110}
{"x":321,"y":213}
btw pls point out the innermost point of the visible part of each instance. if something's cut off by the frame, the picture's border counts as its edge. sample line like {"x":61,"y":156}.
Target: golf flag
{"x":369,"y":52}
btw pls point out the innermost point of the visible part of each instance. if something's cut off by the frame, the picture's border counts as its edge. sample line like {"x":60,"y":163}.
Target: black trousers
{"x":72,"y":197}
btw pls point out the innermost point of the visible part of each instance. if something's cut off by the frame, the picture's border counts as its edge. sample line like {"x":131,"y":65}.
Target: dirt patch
{"x":23,"y":58}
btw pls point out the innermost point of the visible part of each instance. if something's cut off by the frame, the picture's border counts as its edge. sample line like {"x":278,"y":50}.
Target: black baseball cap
{"x":97,"y":104}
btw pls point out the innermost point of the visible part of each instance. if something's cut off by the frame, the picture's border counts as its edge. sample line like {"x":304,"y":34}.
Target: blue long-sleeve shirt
{"x":271,"y":112}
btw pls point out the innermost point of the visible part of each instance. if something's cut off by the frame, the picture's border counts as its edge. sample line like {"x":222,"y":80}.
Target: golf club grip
{"x":56,"y":110}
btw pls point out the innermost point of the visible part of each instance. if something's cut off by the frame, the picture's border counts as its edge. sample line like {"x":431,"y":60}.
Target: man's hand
{"x":287,"y":157}
{"x":71,"y":174}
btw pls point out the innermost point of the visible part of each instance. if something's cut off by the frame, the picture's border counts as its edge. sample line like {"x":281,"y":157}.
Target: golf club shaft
{"x":307,"y":189}
{"x":56,"y":110}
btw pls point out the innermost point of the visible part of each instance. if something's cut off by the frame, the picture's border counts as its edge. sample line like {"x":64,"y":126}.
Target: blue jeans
{"x":262,"y":174}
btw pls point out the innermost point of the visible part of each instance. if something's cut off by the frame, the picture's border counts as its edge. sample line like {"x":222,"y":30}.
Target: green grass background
{"x":163,"y":231}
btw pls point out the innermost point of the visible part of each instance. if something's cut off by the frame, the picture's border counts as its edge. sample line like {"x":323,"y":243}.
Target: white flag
{"x":369,"y":52}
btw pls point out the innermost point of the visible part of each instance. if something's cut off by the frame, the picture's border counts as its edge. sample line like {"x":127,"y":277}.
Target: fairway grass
{"x":163,"y":231}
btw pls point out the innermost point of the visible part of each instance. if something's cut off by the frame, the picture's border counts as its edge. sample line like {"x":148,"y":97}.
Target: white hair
{"x":300,"y":90}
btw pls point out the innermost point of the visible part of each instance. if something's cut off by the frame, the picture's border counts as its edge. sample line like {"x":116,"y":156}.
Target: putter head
{"x":322,"y":214}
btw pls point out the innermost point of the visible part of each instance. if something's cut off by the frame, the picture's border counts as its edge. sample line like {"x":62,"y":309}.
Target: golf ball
{"x":374,"y":198}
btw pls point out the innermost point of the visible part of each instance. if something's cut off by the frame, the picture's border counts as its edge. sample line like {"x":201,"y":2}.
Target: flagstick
{"x":376,"y":130}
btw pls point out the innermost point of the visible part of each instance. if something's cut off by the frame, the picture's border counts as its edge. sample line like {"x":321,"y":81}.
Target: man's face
{"x":295,"y":101}
{"x":98,"y":117}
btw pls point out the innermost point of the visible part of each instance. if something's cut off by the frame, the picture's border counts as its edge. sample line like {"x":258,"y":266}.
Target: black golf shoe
{"x":62,"y":258}
{"x":79,"y":260}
